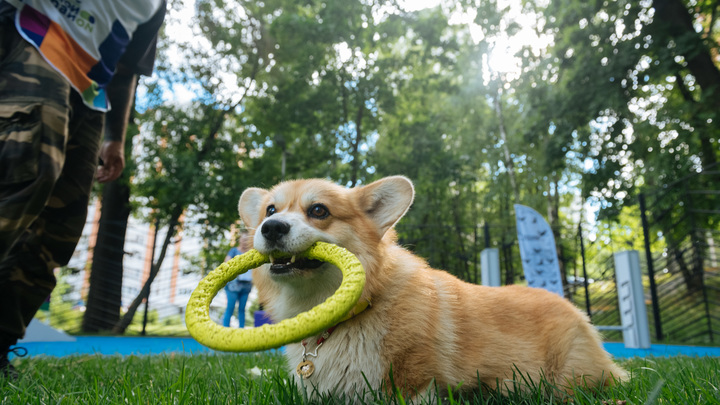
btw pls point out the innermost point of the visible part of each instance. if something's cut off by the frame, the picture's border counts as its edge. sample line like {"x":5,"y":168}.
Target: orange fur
{"x":424,"y":324}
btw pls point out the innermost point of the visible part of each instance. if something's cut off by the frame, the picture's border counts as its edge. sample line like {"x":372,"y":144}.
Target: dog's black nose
{"x":274,"y":229}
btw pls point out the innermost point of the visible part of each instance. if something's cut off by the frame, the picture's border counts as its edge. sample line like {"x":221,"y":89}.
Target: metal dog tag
{"x":305,"y":369}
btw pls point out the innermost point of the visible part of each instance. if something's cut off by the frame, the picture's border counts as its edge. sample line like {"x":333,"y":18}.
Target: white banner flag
{"x":537,"y":250}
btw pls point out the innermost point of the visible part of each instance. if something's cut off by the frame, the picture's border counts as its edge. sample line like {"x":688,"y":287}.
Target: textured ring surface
{"x":268,"y":336}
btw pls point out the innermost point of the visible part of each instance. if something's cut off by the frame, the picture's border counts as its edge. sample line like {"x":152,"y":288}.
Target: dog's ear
{"x":386,"y":200}
{"x":250,"y":208}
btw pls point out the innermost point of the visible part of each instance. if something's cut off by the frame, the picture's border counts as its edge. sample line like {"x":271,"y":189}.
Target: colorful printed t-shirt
{"x":85,"y":40}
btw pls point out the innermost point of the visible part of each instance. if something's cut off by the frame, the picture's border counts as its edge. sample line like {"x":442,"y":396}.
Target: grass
{"x":261,"y":379}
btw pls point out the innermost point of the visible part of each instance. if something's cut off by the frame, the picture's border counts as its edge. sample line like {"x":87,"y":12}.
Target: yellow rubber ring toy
{"x":268,"y":336}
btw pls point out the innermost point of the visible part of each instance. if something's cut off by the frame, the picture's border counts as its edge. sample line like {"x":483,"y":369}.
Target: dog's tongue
{"x":285,"y":264}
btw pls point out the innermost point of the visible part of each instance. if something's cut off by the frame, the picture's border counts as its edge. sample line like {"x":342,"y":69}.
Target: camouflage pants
{"x":49,"y":146}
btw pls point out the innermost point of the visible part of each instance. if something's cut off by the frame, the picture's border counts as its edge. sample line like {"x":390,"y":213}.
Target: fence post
{"x":631,"y":299}
{"x":650,"y":268}
{"x":490,"y":267}
{"x":585,"y":277}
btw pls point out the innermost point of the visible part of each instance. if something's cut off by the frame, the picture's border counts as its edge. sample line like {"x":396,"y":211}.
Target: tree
{"x":433,"y":130}
{"x":673,"y":28}
{"x":191,"y":152}
{"x":320,"y":112}
{"x":639,"y":87}
{"x":630,"y":89}
{"x":105,"y":293}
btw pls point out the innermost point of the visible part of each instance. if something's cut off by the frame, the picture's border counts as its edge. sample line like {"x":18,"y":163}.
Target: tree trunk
{"x":506,"y":242}
{"x":106,"y":272}
{"x":509,"y":268}
{"x":123,"y":324}
{"x":105,"y":294}
{"x":554,"y":221}
{"x":673,"y":22}
{"x":355,"y":163}
{"x":464,"y":270}
{"x":506,"y":150}
{"x":693,"y":279}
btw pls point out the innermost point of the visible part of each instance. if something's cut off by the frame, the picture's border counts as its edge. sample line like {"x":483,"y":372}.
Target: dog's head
{"x":293,"y":215}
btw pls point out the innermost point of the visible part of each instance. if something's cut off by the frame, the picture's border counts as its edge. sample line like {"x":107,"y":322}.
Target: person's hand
{"x":112,"y":154}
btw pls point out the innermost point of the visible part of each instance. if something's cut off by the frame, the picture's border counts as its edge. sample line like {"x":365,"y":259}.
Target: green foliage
{"x":624,"y":82}
{"x":352,"y":91}
{"x":188,"y":164}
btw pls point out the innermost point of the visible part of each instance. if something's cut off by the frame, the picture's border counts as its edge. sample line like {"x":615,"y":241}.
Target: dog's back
{"x":443,"y":328}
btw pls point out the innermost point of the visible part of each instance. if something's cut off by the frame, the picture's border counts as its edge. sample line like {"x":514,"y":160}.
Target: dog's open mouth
{"x":284,"y":265}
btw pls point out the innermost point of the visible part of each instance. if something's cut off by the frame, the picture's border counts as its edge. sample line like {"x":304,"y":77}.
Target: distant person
{"x":238,"y":290}
{"x":68,"y":72}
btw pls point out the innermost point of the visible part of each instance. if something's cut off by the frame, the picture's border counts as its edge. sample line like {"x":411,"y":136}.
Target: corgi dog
{"x":424,"y":328}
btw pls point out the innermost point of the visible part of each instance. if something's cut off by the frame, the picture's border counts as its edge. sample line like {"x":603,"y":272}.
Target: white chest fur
{"x":346,"y":359}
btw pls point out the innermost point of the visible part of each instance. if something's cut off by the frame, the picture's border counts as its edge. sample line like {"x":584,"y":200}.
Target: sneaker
{"x":7,"y":370}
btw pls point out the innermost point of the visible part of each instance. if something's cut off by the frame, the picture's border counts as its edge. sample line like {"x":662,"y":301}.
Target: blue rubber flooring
{"x":618,"y":350}
{"x":111,"y":345}
{"x":126,"y":346}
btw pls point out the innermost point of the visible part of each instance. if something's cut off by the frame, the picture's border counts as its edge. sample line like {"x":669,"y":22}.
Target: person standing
{"x":238,"y":290}
{"x":68,"y":72}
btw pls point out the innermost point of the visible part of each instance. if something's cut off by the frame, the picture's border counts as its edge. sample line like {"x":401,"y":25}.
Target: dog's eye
{"x":318,"y":211}
{"x":270,"y":210}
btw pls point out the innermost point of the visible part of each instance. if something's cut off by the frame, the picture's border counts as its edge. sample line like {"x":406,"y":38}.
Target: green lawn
{"x":260,"y":379}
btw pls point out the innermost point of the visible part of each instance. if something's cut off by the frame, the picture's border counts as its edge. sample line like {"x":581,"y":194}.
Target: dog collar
{"x":306,"y":368}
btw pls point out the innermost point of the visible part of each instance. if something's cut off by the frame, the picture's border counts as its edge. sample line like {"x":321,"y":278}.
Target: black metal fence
{"x":681,"y":228}
{"x":596,"y":290}
{"x":680,"y":257}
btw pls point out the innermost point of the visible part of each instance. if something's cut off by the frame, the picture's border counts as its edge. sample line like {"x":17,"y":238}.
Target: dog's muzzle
{"x":273,"y":230}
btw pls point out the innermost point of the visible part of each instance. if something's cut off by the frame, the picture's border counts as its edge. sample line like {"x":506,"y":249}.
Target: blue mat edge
{"x":127,"y":346}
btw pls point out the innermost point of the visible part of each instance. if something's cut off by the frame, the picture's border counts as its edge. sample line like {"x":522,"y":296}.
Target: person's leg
{"x":34,"y":114}
{"x":50,"y":240}
{"x":232,"y":297}
{"x":242,"y":301}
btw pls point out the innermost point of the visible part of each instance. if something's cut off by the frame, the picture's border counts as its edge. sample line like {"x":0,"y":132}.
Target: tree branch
{"x":125,"y":321}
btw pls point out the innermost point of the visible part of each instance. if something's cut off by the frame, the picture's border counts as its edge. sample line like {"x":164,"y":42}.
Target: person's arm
{"x":230,"y":254}
{"x":121,"y":93}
